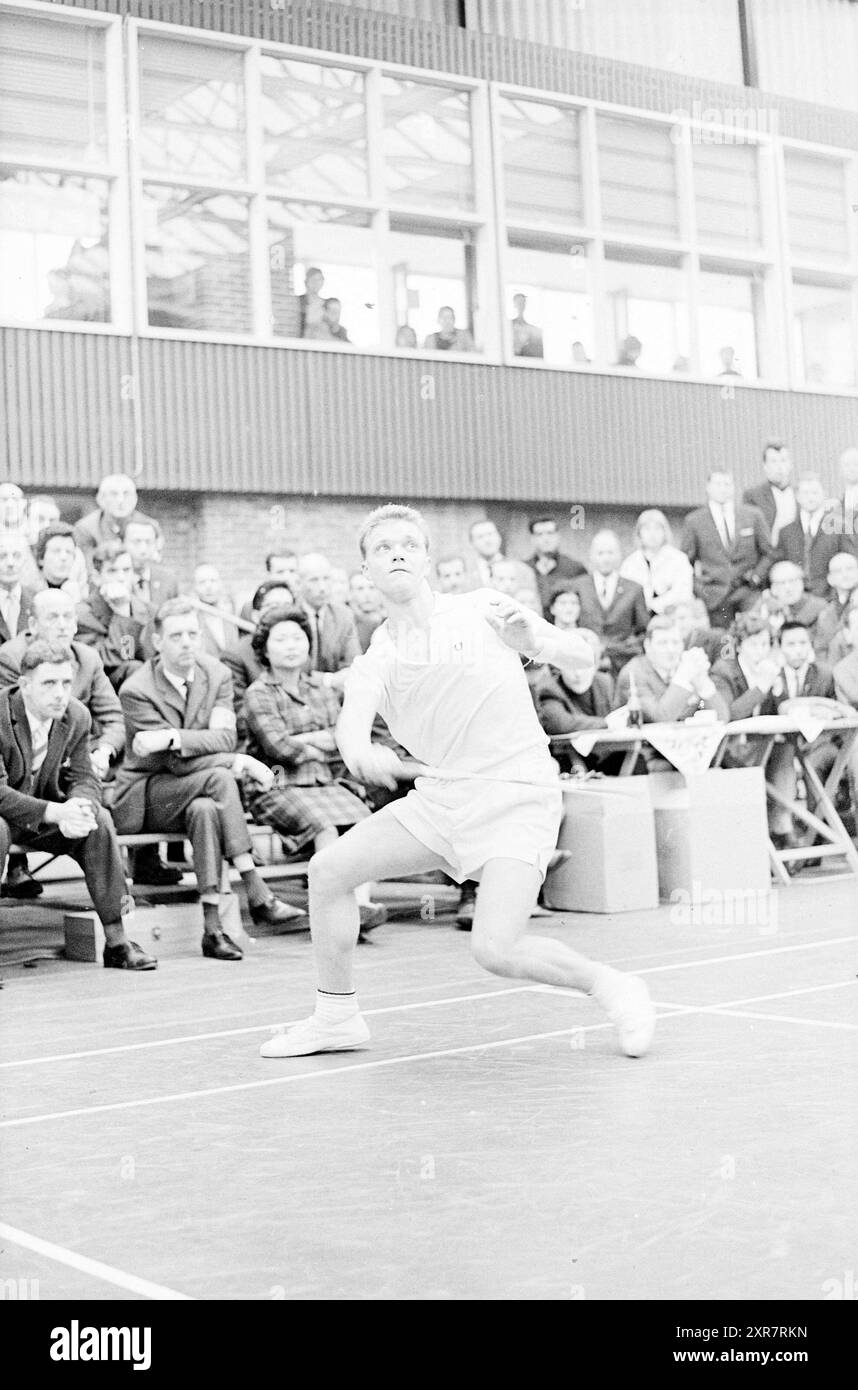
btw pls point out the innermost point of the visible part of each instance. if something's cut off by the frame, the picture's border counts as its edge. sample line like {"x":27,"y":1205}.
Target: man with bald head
{"x":116,"y":501}
{"x":335,"y":641}
{"x":612,"y":606}
{"x":52,"y":619}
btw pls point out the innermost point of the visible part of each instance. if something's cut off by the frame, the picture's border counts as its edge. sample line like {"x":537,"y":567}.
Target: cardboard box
{"x":608,"y":841}
{"x":711,"y":832}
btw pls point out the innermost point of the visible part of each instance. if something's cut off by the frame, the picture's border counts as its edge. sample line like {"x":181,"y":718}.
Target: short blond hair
{"x":391,"y":511}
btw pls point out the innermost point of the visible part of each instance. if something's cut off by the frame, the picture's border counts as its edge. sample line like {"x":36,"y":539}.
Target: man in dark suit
{"x":114,"y":619}
{"x":812,"y":539}
{"x":672,"y":681}
{"x":785,"y":599}
{"x":692,"y":620}
{"x":116,"y":504}
{"x":775,"y":497}
{"x":152,"y":583}
{"x":801,"y":676}
{"x":550,"y":566}
{"x":50,"y":798}
{"x":613,"y":607}
{"x":335,"y":639}
{"x":180,"y":768}
{"x":15,"y":597}
{"x":843,"y":582}
{"x":730,"y":550}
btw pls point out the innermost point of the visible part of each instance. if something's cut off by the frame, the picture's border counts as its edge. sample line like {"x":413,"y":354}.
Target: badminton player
{"x":445,"y":673}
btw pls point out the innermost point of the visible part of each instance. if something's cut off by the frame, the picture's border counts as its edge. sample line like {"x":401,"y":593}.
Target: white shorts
{"x":468,"y":823}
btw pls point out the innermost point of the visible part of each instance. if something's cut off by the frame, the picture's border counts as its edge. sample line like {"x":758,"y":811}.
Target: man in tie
{"x":114,"y":619}
{"x":612,"y":606}
{"x":50,"y":798}
{"x":813,"y":538}
{"x":152,"y":583}
{"x":801,"y":675}
{"x":335,"y":637}
{"x":487,"y":548}
{"x":181,"y":767}
{"x":774,"y":497}
{"x":730,"y":550}
{"x":786,"y":601}
{"x":15,"y":598}
{"x":672,"y":681}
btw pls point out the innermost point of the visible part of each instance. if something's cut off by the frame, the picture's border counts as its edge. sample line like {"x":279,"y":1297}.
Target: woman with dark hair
{"x":290,"y":726}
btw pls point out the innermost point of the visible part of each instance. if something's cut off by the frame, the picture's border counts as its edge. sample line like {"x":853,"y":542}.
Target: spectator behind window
{"x":448,"y":337}
{"x":629,"y":351}
{"x":526,"y":337}
{"x":405,"y":336}
{"x":331,"y":310}
{"x":311,"y":306}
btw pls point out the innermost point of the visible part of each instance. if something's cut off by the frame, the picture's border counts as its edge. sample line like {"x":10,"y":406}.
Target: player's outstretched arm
{"x":528,"y":633}
{"x":367,"y":761}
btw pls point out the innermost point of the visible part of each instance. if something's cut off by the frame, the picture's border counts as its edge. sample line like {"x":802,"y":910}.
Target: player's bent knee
{"x":493,"y":956}
{"x":327,"y":872}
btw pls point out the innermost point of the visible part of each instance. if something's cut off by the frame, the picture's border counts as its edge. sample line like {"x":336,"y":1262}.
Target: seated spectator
{"x":114,"y":620}
{"x":526,"y":337}
{"x":239,"y":657}
{"x":367,"y":606}
{"x":280,"y":563}
{"x":291,"y":725}
{"x":331,"y":310}
{"x":802,"y":677}
{"x":50,"y":798}
{"x":217,"y":630}
{"x":116,"y":504}
{"x":180,"y":769}
{"x":785,"y":599}
{"x":812,"y":540}
{"x":487,"y":551}
{"x":52,"y":619}
{"x":449,"y":338}
{"x":728,"y":362}
{"x":43,"y":511}
{"x":550,"y":566}
{"x":629,"y":351}
{"x":452,"y":575}
{"x":663,"y":570}
{"x":152,"y":583}
{"x":569,"y":703}
{"x":693,"y":622}
{"x":612,"y":606}
{"x":311,"y":306}
{"x":506,"y":578}
{"x":579,"y":354}
{"x":843,"y":581}
{"x":15,"y":597}
{"x":56,"y":556}
{"x":405,"y":336}
{"x":672,"y":682}
{"x":565,"y":610}
{"x":13,"y":507}
{"x":334,"y":642}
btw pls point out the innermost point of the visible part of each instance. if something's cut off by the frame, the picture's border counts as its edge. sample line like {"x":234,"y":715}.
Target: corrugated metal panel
{"x":447,"y":48}
{"x":808,"y":49}
{"x":223,"y":418}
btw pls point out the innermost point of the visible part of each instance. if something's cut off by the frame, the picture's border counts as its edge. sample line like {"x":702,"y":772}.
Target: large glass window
{"x":427,"y":144}
{"x":637,"y":178}
{"x":54,"y":247}
{"x":729,"y":302}
{"x":647,"y":312}
{"x":824,"y":333}
{"x":314,"y":121}
{"x":324,"y":283}
{"x":541,"y":161}
{"x":549,"y":306}
{"x":52,"y":90}
{"x":432,"y":271}
{"x":192,"y":117}
{"x":197,"y":260}
{"x":817,"y":207}
{"x":726,"y":193}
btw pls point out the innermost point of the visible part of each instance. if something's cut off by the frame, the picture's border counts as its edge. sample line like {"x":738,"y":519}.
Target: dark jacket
{"x":622,"y":625}
{"x":742,"y":701}
{"x":814,"y":562}
{"x":722,"y":571}
{"x":89,"y":685}
{"x":565,"y":711}
{"x":65,"y":772}
{"x":23,"y":615}
{"x":96,"y":528}
{"x":116,"y":638}
{"x":763,"y":499}
{"x":663,"y":702}
{"x":560,"y":578}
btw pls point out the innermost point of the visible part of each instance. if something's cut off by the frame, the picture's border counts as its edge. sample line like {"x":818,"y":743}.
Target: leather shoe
{"x":467,"y":907}
{"x":156,"y":874}
{"x":275,"y":913}
{"x":221,"y":947}
{"x":20,"y":884}
{"x":127,"y":955}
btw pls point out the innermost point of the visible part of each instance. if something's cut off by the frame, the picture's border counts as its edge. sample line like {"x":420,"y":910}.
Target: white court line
{"x":258,"y":1028}
{"x":398,"y":1008}
{"x":84,"y":1265}
{"x":787,"y":1018}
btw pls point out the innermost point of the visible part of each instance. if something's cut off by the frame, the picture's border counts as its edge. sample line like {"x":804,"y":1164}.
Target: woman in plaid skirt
{"x":290,"y":726}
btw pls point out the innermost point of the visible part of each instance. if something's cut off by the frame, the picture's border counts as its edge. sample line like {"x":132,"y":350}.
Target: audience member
{"x":612,"y":606}
{"x":629,"y":351}
{"x":405,"y":336}
{"x":334,"y":642}
{"x":526,"y":337}
{"x":13,"y":507}
{"x":43,"y":511}
{"x":785,"y":599}
{"x":331,"y":310}
{"x":551,"y":567}
{"x":672,"y":681}
{"x":846,"y":510}
{"x":812,"y":539}
{"x":802,"y":677}
{"x":15,"y":598}
{"x":729,"y":549}
{"x":311,"y":305}
{"x":217,"y":629}
{"x":662,"y":570}
{"x":693,"y":622}
{"x":452,"y":575}
{"x":280,"y":563}
{"x":152,"y":583}
{"x":239,"y":657}
{"x":113,"y":619}
{"x":774,"y":497}
{"x":50,"y":798}
{"x":579,"y":354}
{"x":567,"y":704}
{"x":116,"y":504}
{"x":367,"y":606}
{"x":843,"y":581}
{"x":487,"y":551}
{"x":180,"y":769}
{"x":728,"y":362}
{"x":565,"y":610}
{"x":448,"y":337}
{"x":56,"y":555}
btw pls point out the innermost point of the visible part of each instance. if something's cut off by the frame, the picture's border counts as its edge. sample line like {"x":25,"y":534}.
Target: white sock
{"x":604,"y":989}
{"x":335,"y":1008}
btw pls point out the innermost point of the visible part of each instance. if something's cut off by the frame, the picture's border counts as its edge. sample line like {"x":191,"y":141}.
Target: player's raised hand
{"x":512,"y":622}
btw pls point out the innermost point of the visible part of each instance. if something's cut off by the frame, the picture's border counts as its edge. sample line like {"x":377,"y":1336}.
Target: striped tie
{"x":40,"y":737}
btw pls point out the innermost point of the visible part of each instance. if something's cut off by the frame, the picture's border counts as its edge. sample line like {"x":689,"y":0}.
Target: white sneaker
{"x":311,"y":1035}
{"x":630,"y":1008}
